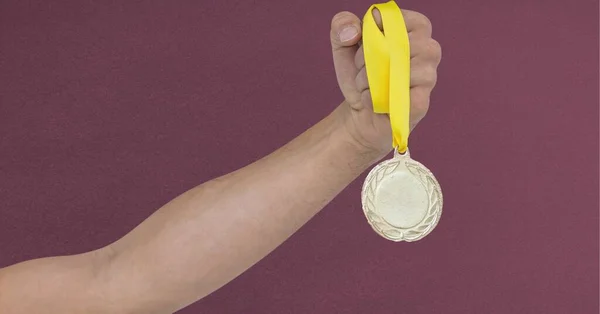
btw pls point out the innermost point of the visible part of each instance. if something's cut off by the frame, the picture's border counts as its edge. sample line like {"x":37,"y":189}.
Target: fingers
{"x":417,"y":23}
{"x":419,"y":33}
{"x":419,"y":104}
{"x":425,"y":55}
{"x":423,"y":75}
{"x":419,"y":100}
{"x":359,"y":58}
{"x":425,"y":49}
{"x":423,"y":66}
{"x":361,"y":81}
{"x":422,"y":78}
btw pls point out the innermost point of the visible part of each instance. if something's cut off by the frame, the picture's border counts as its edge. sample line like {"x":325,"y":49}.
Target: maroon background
{"x":109,"y":109}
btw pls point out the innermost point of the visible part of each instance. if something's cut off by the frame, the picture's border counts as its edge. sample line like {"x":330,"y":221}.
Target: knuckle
{"x":419,"y":103}
{"x":420,"y":109}
{"x":423,"y":20}
{"x":434,"y":49}
{"x":430,"y":75}
{"x":424,"y":75}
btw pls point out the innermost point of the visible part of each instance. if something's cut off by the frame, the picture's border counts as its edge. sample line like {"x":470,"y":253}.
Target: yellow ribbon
{"x":387,"y":61}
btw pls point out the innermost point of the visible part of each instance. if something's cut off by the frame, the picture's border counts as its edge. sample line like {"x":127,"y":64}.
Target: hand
{"x":368,"y":129}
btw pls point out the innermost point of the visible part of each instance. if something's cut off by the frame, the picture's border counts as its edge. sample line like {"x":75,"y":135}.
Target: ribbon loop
{"x":387,"y":62}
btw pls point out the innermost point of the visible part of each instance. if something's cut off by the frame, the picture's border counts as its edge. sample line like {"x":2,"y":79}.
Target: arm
{"x":214,"y":232}
{"x":206,"y":236}
{"x":209,"y":235}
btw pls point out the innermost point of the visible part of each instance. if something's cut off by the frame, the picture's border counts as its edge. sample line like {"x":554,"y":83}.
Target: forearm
{"x":62,"y":284}
{"x":212,"y":233}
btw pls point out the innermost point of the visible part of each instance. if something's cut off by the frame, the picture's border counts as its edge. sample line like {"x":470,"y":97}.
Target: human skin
{"x":210,"y":234}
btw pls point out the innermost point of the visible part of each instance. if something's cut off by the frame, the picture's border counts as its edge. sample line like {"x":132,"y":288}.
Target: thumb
{"x":345,"y":34}
{"x":345,"y":30}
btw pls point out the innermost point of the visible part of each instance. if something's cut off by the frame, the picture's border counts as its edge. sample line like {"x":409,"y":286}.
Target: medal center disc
{"x":401,"y":199}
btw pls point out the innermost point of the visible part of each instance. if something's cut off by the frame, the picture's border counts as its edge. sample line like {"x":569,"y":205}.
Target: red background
{"x":109,"y":109}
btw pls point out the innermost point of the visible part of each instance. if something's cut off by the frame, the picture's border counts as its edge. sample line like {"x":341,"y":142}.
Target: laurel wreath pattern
{"x":431,"y":186}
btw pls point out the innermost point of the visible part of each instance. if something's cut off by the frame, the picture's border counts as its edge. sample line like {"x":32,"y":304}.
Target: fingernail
{"x":348,"y":33}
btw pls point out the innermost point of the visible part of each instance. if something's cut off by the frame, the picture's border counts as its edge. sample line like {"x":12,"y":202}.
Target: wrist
{"x":348,"y":133}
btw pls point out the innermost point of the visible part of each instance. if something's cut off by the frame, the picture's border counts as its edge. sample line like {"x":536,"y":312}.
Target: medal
{"x":401,"y":198}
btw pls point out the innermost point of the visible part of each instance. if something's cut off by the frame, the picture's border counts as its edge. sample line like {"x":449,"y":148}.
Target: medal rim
{"x":432,"y":216}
